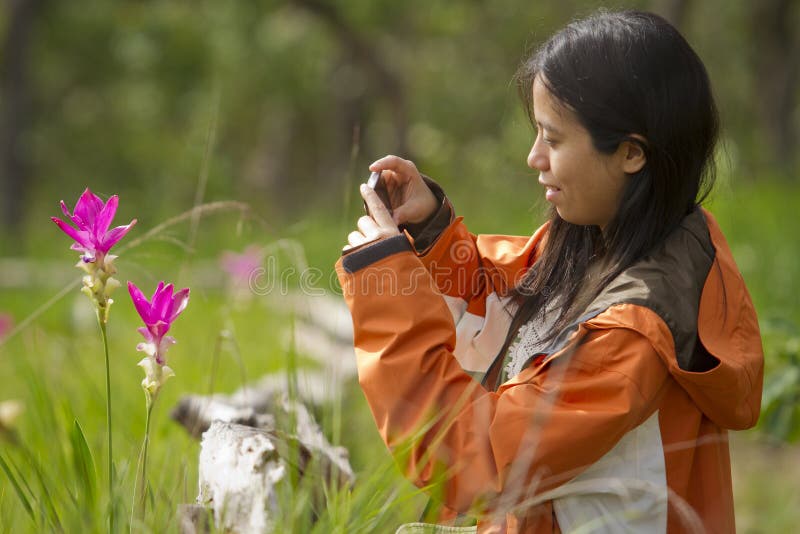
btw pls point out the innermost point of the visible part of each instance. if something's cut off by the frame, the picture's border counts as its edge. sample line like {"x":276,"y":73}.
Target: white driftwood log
{"x":196,"y":413}
{"x":240,"y":468}
{"x":276,"y":413}
{"x":255,"y":438}
{"x":194,"y":519}
{"x":323,"y":332}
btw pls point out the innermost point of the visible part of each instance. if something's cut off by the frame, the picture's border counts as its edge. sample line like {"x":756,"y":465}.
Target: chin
{"x":575,"y":220}
{"x":568,"y":218}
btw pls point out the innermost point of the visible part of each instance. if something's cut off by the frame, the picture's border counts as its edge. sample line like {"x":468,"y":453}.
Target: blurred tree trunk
{"x":674,"y":11}
{"x":364,"y":55}
{"x":776,"y":71}
{"x":15,"y":110}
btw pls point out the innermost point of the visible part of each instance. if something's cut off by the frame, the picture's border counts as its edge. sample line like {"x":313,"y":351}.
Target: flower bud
{"x":10,"y":411}
{"x":155,"y":376}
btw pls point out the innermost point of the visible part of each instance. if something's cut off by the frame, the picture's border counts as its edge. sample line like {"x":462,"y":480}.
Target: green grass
{"x":59,"y":375}
{"x":54,"y":466}
{"x":54,"y":463}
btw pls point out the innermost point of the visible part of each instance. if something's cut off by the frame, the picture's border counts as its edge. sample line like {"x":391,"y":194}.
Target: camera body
{"x":378,"y":184}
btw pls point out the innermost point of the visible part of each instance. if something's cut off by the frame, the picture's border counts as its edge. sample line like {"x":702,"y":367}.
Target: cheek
{"x":608,"y":191}
{"x":565,"y":167}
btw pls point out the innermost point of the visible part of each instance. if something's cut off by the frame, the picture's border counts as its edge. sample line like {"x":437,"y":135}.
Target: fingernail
{"x":363,"y":187}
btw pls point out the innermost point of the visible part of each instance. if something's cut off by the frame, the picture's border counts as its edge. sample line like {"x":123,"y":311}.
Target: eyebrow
{"x":549,"y":127}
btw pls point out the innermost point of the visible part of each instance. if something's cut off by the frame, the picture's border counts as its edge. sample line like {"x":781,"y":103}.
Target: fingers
{"x":391,"y":178}
{"x":372,"y":228}
{"x":367,"y":226}
{"x":355,"y":239}
{"x":396,"y":164}
{"x":377,"y":210}
{"x":380,"y":224}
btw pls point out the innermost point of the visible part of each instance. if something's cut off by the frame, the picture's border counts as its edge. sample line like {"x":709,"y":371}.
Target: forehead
{"x":546,"y":107}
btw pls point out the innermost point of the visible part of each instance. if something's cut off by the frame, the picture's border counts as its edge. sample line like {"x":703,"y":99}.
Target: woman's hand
{"x":412,"y":200}
{"x":377,"y":225}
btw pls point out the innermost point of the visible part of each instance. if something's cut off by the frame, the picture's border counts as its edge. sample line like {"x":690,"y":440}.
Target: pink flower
{"x":6,"y":324}
{"x":240,"y":267}
{"x":158,"y":313}
{"x":92,"y":218}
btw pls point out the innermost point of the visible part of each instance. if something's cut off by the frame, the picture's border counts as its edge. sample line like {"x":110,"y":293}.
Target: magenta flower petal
{"x":80,"y":237}
{"x":159,"y":329}
{"x":110,"y":239}
{"x":76,"y":220}
{"x":87,"y":208}
{"x":163,"y":306}
{"x":65,"y":209}
{"x":157,"y":301}
{"x":158,"y":314}
{"x":179,"y":302}
{"x":140,"y":302}
{"x":93,"y":218}
{"x":106,"y":215}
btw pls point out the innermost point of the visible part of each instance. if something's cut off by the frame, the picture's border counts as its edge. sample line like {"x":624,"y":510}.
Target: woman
{"x":586,"y":376}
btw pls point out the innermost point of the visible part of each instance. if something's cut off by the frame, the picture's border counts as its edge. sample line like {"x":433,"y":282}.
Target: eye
{"x":548,"y":141}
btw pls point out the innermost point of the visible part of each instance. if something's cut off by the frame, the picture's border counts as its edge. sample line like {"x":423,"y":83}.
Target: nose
{"x":538,"y":158}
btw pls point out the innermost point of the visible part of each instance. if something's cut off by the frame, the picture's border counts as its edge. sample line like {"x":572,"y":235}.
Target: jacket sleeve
{"x":468,"y":266}
{"x":536,"y":432}
{"x":471,"y":273}
{"x":465,"y":267}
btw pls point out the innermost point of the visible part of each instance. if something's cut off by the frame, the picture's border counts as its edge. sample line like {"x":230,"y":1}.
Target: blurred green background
{"x":282,"y":105}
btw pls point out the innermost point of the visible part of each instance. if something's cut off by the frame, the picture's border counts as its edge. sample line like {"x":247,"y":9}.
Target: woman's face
{"x":583,"y":184}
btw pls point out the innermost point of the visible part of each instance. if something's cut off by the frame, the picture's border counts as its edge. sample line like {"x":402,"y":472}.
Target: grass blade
{"x":84,"y":463}
{"x":17,"y":488}
{"x":46,"y":498}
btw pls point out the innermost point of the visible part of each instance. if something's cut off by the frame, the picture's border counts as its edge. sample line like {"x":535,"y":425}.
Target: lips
{"x":551,"y":191}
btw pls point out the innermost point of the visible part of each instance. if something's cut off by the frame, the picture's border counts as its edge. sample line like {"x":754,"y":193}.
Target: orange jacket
{"x":620,"y":424}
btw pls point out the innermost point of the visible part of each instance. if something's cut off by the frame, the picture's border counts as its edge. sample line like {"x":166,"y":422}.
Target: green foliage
{"x":123,"y":97}
{"x":122,"y":94}
{"x":84,"y":466}
{"x":755,"y":219}
{"x":23,"y":497}
{"x":780,"y":404}
{"x":57,"y":360}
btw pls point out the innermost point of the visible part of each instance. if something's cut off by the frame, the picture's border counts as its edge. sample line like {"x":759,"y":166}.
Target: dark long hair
{"x":621,"y":73}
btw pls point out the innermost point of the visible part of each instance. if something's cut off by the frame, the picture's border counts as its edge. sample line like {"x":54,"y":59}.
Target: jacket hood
{"x":729,"y":393}
{"x":718,"y":360}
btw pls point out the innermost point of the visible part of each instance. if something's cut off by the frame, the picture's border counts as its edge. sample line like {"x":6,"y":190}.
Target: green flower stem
{"x":101,"y":322}
{"x":139,"y":505}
